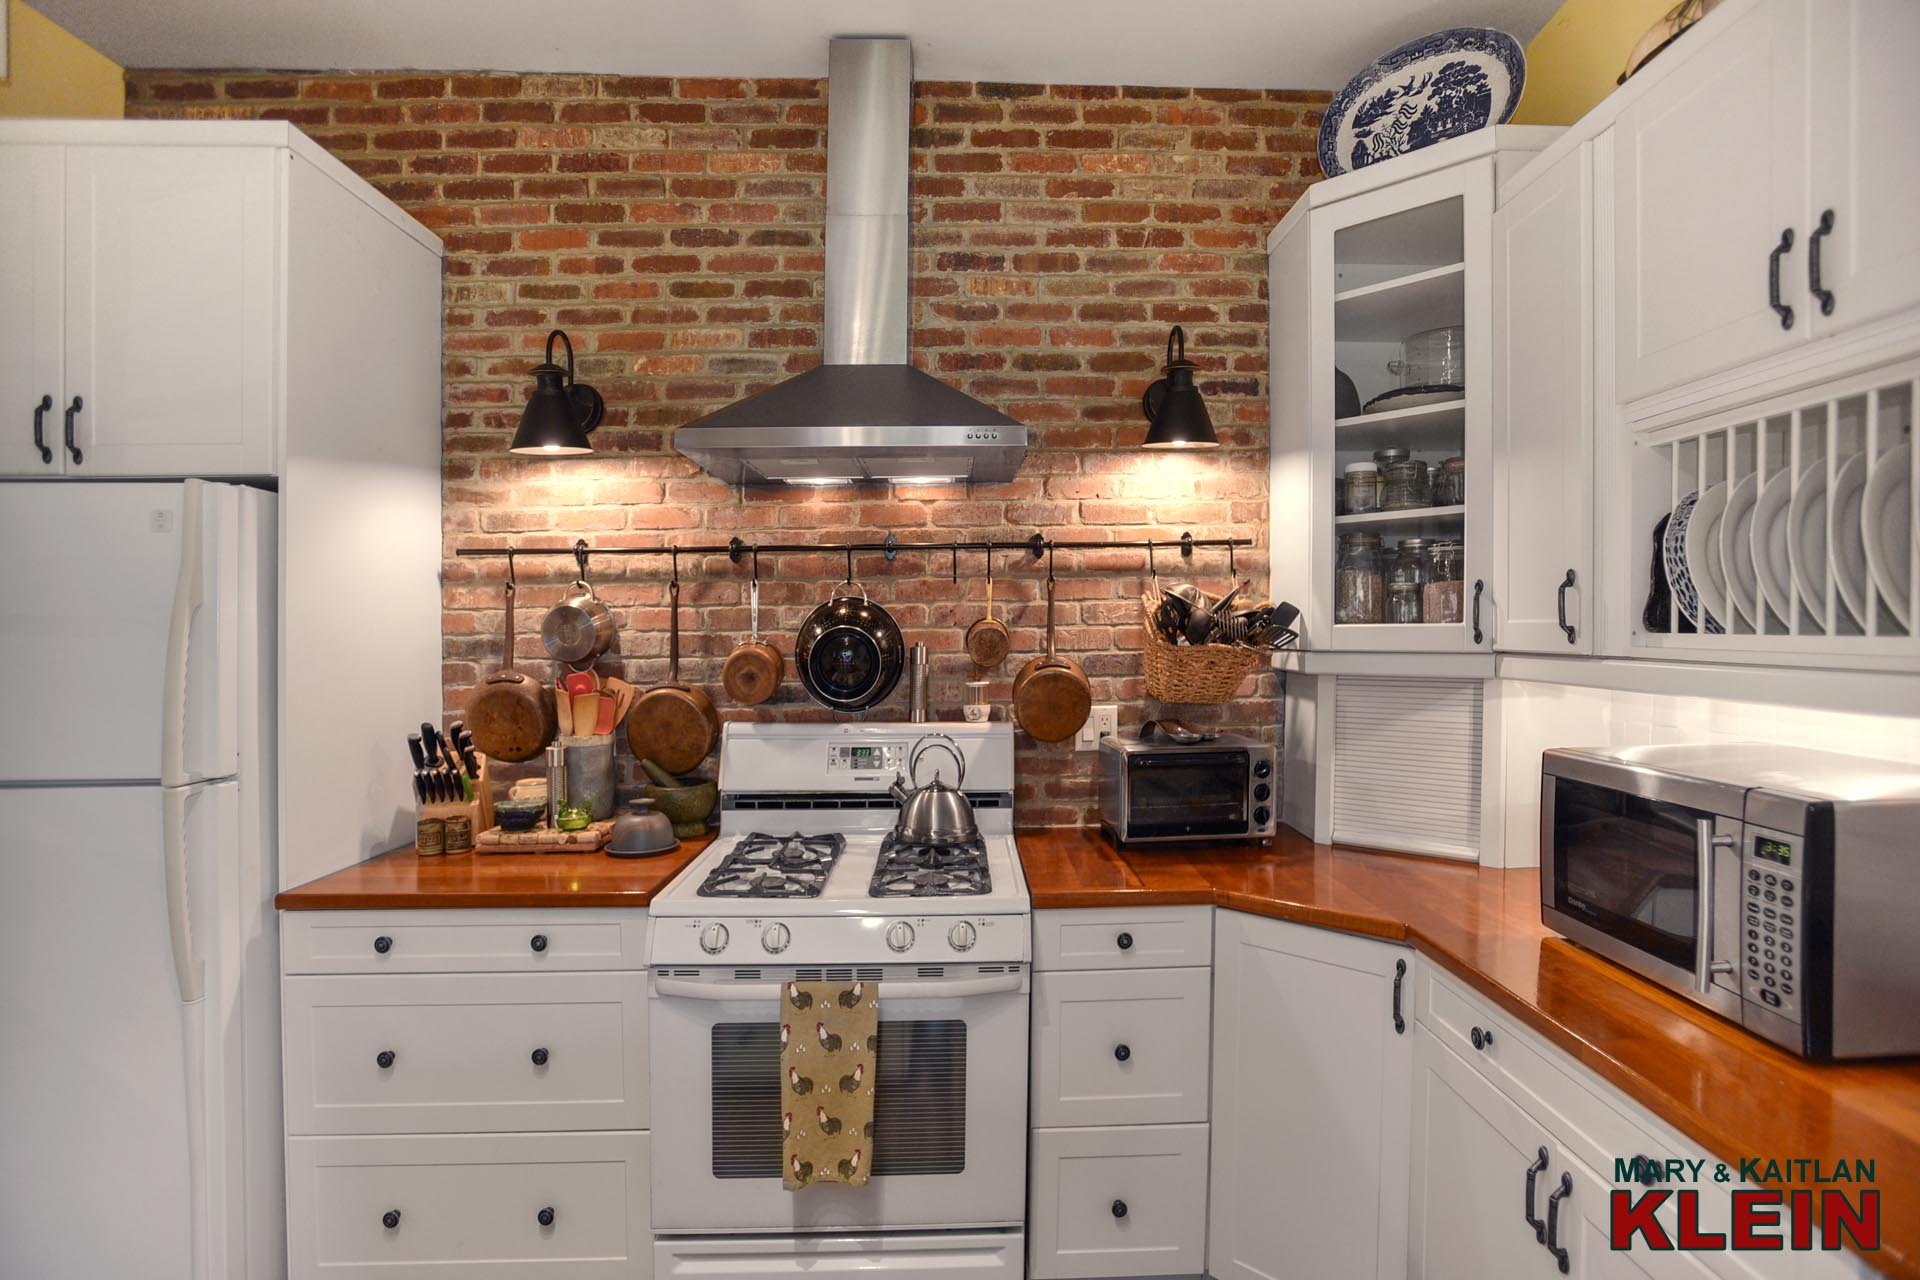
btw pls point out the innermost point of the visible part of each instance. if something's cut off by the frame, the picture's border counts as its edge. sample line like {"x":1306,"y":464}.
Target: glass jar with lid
{"x":1363,"y":487}
{"x":1450,"y":483}
{"x":1405,"y":486}
{"x":1388,"y":456}
{"x":1406,"y":581}
{"x":1443,"y":596}
{"x":1358,"y":588}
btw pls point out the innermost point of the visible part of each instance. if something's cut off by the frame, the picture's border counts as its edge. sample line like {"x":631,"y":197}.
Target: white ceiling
{"x":1273,"y":44}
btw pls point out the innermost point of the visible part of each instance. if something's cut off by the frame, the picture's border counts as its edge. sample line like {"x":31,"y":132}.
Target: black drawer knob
{"x":1124,"y":942}
{"x":545,"y":1216}
{"x":1119,"y":1208}
{"x":539,"y":942}
{"x":384,"y":1058}
{"x":1481,"y":1039}
{"x":1121,"y":1053}
{"x":539,"y":1057}
{"x":390,"y":1219}
{"x":383,"y":944}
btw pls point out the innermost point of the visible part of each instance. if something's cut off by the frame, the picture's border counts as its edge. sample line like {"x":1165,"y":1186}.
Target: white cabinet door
{"x":1472,"y":1151}
{"x":1113,"y":1047}
{"x":1310,"y":1103}
{"x":1866,"y":159}
{"x":1711,"y":171}
{"x":30,"y":373}
{"x":1543,"y":412}
{"x":172,"y":286}
{"x":1130,"y":1201}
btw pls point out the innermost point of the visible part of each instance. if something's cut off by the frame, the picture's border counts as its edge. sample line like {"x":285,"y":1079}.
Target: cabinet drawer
{"x":1121,"y":1048}
{"x":470,"y":1052}
{"x":460,"y":941}
{"x":1118,"y":1202}
{"x":470,"y":1206}
{"x":1122,"y":938}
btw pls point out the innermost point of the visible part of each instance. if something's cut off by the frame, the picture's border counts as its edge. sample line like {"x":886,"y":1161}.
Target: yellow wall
{"x":1578,"y":55}
{"x":52,"y":73}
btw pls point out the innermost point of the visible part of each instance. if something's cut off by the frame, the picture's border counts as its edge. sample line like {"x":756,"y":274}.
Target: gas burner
{"x":765,"y":866}
{"x":907,"y":870}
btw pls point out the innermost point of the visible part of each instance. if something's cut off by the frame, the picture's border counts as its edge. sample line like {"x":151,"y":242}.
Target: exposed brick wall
{"x":674,"y":229}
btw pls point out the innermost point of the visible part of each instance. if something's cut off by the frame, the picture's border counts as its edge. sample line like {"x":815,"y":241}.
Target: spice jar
{"x":1450,"y":483}
{"x":1443,"y":597}
{"x":1405,"y":486}
{"x":1407,"y":582}
{"x":1358,"y":595}
{"x":1363,"y":487}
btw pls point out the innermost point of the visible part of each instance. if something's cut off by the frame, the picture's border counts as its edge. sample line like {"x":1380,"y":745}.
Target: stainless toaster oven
{"x":1154,"y":789}
{"x":1777,"y":886}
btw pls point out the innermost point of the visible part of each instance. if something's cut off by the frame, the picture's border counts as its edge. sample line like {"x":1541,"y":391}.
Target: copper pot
{"x":1051,"y":695}
{"x":987,"y":638}
{"x":755,"y":668}
{"x":674,"y":725}
{"x":511,"y":714}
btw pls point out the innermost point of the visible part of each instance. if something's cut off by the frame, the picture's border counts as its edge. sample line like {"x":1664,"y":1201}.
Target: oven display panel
{"x":1773,"y":850}
{"x":866,"y":757}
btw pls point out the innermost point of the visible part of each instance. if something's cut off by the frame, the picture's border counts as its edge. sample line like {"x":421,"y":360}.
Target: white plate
{"x":1702,"y":549}
{"x":1736,"y":550}
{"x":1807,"y":543}
{"x":1886,"y":524}
{"x":1849,"y":546}
{"x":1771,"y":563}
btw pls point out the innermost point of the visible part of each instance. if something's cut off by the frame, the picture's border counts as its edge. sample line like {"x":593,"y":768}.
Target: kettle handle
{"x":945,"y":743}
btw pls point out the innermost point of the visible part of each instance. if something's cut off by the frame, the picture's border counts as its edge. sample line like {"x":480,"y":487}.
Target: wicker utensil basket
{"x":1201,"y":673}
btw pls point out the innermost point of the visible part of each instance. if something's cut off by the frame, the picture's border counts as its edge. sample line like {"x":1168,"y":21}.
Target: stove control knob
{"x":713,"y":938}
{"x":899,"y":935}
{"x":961,"y":936}
{"x":775,"y":938}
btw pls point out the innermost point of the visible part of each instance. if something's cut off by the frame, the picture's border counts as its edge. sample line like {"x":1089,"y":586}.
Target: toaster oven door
{"x":1175,"y":794}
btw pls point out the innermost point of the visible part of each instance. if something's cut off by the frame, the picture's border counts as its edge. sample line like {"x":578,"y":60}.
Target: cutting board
{"x":545,"y":840}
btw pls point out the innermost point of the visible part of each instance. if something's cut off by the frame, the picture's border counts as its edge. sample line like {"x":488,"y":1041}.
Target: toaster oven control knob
{"x":961,"y":936}
{"x":1261,"y":815}
{"x":1261,"y":791}
{"x":775,"y":938}
{"x":899,"y":935}
{"x":713,"y":938}
{"x":1261,"y":768}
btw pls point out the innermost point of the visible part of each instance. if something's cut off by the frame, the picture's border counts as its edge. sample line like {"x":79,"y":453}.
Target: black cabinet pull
{"x":545,"y":1216}
{"x":40,"y":411}
{"x":1121,"y":1053}
{"x":1560,"y":1193}
{"x":1566,"y":584}
{"x":1534,"y":1170}
{"x":1780,"y":308}
{"x":1481,"y":1039}
{"x":390,"y":1219}
{"x":539,"y":942}
{"x":1119,"y":1208}
{"x":384,"y":1059}
{"x":1399,"y":974}
{"x":383,"y":944}
{"x":1479,"y":636}
{"x":539,"y":1057}
{"x":1813,"y":263}
{"x":1124,"y":942}
{"x":1650,"y":1174}
{"x":73,"y":411}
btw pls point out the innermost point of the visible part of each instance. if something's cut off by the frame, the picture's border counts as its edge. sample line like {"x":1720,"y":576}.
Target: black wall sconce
{"x":560,"y":412}
{"x":1176,"y":414}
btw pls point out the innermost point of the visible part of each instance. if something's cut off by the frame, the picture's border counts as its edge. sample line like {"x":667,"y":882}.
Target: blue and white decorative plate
{"x":1673,"y":555}
{"x":1427,"y":90}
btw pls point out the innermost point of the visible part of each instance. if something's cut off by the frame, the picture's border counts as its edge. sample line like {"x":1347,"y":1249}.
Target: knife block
{"x":479,"y":809}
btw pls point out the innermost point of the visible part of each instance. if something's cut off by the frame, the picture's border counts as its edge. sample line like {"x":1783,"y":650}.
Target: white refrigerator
{"x":140,"y":1118}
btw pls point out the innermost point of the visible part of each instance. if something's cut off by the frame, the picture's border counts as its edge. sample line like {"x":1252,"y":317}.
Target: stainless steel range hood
{"x":866,"y":414}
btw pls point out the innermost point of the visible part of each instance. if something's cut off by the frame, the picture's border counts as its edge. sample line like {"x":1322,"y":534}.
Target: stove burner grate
{"x":769,"y":866}
{"x":908,"y":870}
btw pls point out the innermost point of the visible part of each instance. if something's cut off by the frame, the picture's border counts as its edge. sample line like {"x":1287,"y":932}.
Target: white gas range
{"x":805,"y":882}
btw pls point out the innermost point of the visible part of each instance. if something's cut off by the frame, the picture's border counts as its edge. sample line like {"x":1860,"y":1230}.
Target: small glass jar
{"x":1358,"y":586}
{"x":1443,"y":597}
{"x":1405,"y":486}
{"x":1363,"y":487}
{"x":1450,"y":483}
{"x":1407,"y":582}
{"x":1388,"y":456}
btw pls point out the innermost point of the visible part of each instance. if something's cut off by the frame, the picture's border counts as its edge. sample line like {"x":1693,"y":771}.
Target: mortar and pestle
{"x":687,"y":802}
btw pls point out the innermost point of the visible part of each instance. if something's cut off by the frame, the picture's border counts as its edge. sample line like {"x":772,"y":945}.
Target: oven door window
{"x":919,"y":1099}
{"x":1629,"y":867}
{"x":1187,"y":793}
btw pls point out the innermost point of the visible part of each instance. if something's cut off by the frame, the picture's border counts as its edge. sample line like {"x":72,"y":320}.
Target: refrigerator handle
{"x":189,"y":593}
{"x":188,"y":970}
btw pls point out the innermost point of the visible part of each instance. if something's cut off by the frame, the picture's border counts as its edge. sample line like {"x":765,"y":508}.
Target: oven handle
{"x":1709,"y":845}
{"x":937,"y":989}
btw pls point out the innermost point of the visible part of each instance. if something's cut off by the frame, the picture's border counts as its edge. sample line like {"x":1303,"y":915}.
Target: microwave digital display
{"x":1773,"y":850}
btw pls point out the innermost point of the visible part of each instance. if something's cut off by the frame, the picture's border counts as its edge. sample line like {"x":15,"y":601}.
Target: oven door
{"x":950,"y":1103}
{"x":1646,"y":874}
{"x":1174,"y":795}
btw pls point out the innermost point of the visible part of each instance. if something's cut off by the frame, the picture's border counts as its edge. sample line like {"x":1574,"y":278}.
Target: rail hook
{"x":849,"y":566}
{"x":513,"y":583}
{"x":955,"y":548}
{"x":1232,"y":573}
{"x":1186,"y":546}
{"x":580,"y":557}
{"x":675,"y":553}
{"x":737,"y":548}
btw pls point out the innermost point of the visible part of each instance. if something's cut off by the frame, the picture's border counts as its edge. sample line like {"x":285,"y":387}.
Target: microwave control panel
{"x":1772,"y":941}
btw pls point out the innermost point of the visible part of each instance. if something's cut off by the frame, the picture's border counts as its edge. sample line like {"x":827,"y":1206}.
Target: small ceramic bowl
{"x":519,"y":815}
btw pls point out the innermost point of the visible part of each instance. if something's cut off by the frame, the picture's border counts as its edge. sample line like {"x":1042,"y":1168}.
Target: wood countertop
{"x":405,"y":881}
{"x":1731,"y":1092}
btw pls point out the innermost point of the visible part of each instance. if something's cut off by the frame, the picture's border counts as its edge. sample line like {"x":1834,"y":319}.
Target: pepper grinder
{"x":917,"y":684}
{"x":556,"y":784}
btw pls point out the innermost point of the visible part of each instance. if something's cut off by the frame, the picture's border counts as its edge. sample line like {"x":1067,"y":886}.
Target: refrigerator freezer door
{"x":87,"y":593}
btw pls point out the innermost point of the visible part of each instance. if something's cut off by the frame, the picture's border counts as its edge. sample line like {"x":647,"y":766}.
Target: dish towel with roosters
{"x":827,"y":1034}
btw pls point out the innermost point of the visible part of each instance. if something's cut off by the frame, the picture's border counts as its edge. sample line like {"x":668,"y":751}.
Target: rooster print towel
{"x":826,"y":1081}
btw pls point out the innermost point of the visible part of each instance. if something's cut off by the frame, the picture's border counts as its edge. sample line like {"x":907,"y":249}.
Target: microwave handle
{"x":1709,"y":846}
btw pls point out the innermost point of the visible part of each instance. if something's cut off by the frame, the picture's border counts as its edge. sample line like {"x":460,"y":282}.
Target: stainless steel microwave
{"x":1776,"y":886}
{"x":1154,"y":790}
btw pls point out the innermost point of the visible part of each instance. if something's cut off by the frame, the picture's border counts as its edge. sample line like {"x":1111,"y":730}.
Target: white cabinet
{"x":31,"y":383}
{"x":1543,"y":583}
{"x":1311,"y":1093}
{"x":1120,"y":1048}
{"x":1119,"y":1201}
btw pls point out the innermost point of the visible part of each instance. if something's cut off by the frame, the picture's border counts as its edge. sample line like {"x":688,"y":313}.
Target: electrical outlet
{"x":1103,"y":721}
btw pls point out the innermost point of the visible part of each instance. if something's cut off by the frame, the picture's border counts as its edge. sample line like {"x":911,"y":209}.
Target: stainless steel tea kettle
{"x":934,"y":813}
